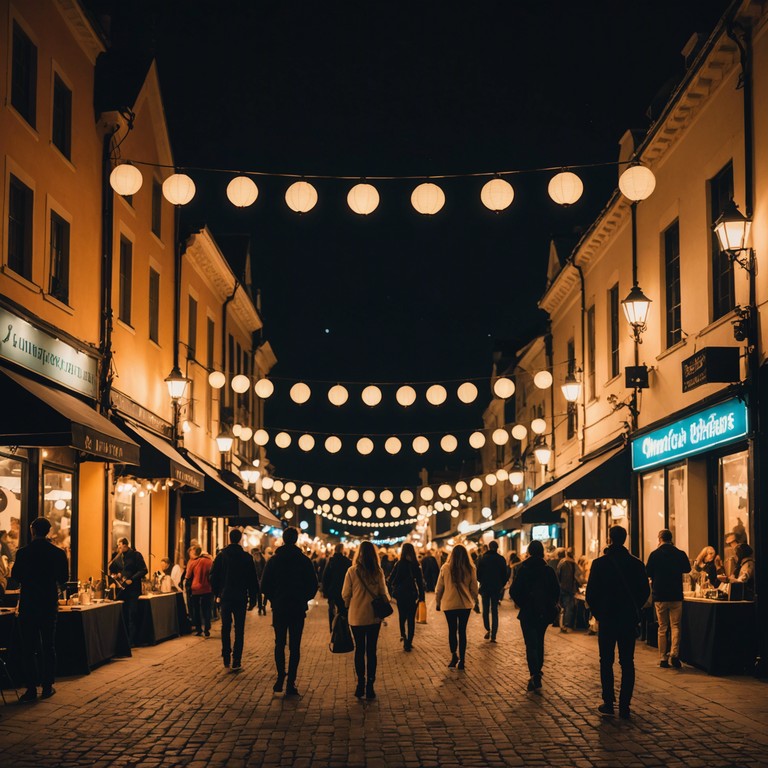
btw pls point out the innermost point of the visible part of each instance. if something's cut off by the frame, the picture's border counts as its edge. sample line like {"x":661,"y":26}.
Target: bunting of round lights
{"x":427,"y":198}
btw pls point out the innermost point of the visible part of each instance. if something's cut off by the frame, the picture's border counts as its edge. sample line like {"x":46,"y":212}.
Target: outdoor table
{"x":158,"y":618}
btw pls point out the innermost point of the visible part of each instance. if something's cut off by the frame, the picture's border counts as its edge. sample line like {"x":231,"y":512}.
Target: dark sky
{"x":402,"y":88}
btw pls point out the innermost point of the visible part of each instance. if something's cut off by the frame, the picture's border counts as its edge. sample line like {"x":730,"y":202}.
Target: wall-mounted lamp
{"x":571,"y":388}
{"x":636,"y":307}
{"x":732,"y":230}
{"x":224,"y":439}
{"x":542,"y":452}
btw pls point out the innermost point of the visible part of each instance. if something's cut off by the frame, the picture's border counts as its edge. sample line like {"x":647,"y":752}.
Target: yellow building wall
{"x":158,"y":531}
{"x":91,"y":535}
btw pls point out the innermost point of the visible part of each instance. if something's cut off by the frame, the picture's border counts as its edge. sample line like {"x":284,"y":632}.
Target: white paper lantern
{"x":353,"y":495}
{"x":288,"y":514}
{"x":381,"y":513}
{"x":242,"y":191}
{"x":519,"y":432}
{"x":369,"y":496}
{"x":366,"y":512}
{"x":500,"y":436}
{"x":486,"y":512}
{"x":420,"y":444}
{"x":502,"y":474}
{"x":395,"y":512}
{"x":300,"y":393}
{"x":412,"y":511}
{"x":426,"y":493}
{"x":338,"y":395}
{"x":305,"y":490}
{"x":449,"y":443}
{"x":565,"y":188}
{"x":454,"y":513}
{"x":282,"y":439}
{"x":436,"y":394}
{"x":261,"y":437}
{"x":386,"y":496}
{"x":491,"y":479}
{"x":278,"y":485}
{"x":392,"y":445}
{"x":246,"y":433}
{"x":267,"y":483}
{"x":538,"y":426}
{"x":477,"y":440}
{"x":217,"y":379}
{"x":363,"y":199}
{"x":178,"y":189}
{"x":338,"y":494}
{"x":301,"y":197}
{"x":332,"y":444}
{"x":497,"y":194}
{"x":126,"y":179}
{"x":517,"y":476}
{"x":504,"y":387}
{"x":240,"y":384}
{"x":309,"y":504}
{"x":323,"y":493}
{"x":306,"y":443}
{"x":428,"y":199}
{"x":543,"y":379}
{"x":290,"y":487}
{"x":263,"y":388}
{"x":352,"y":511}
{"x":461,"y":487}
{"x":237,"y":429}
{"x":444,"y":491}
{"x":467,"y":392}
{"x":371,"y":395}
{"x":364,"y":445}
{"x":476,"y":484}
{"x":298,"y":500}
{"x":637,"y":182}
{"x":406,"y":496}
{"x":406,"y":396}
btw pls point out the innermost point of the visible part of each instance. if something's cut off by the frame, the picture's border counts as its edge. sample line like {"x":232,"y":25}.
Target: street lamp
{"x":732,"y":230}
{"x":517,"y":474}
{"x":636,"y":307}
{"x":571,"y":388}
{"x":177,"y":383}
{"x":542,"y":452}
{"x":224,"y":439}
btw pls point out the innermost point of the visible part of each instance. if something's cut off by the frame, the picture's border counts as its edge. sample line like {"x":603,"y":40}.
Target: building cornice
{"x":560,"y":290}
{"x":82,"y":30}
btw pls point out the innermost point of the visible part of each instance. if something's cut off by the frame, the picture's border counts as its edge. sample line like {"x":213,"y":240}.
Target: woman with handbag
{"x":456,"y":594}
{"x":407,"y":585}
{"x":365,"y":594}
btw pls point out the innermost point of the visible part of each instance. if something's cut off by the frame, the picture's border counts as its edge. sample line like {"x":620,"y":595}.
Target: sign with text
{"x":718,"y":425}
{"x":711,"y":365}
{"x":38,"y":351}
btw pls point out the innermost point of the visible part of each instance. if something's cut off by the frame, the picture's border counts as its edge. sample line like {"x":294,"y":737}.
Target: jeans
{"x":201,"y":611}
{"x":290,"y":627}
{"x":366,"y":640}
{"x":406,"y":613}
{"x":491,"y":603}
{"x":669,"y":615}
{"x":38,"y":634}
{"x":534,"y":629}
{"x":568,"y":603}
{"x":233,"y":610}
{"x":609,"y":636}
{"x":457,"y":630}
{"x":335,"y":605}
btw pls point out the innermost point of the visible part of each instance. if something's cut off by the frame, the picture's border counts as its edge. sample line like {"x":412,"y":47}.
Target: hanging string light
{"x":406,"y":396}
{"x":363,"y":199}
{"x":301,"y":197}
{"x":242,"y":192}
{"x":497,"y":195}
{"x":428,"y":199}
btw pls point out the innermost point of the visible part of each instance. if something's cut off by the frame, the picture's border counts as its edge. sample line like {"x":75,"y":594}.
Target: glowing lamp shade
{"x":436,"y":394}
{"x":240,"y":384}
{"x":571,"y":388}
{"x":476,"y":484}
{"x":246,"y":433}
{"x":406,"y":496}
{"x":497,"y":194}
{"x":217,"y":379}
{"x":261,"y":437}
{"x":461,"y":487}
{"x":519,"y":432}
{"x":282,"y":439}
{"x":338,"y":395}
{"x":178,"y":189}
{"x":126,"y":179}
{"x":467,"y":392}
{"x":264,"y":388}
{"x":543,"y":380}
{"x":565,"y":188}
{"x":386,"y":496}
{"x":486,"y":512}
{"x":369,"y":496}
{"x":306,"y":443}
{"x":477,"y":440}
{"x":502,"y":474}
{"x":176,"y":383}
{"x":637,"y":183}
{"x":392,"y":445}
{"x":405,"y":396}
{"x":242,"y":192}
{"x":305,"y":490}
{"x":363,"y":199}
{"x":500,"y":436}
{"x":449,"y":443}
{"x":444,"y":491}
{"x":504,"y":387}
{"x":224,"y":440}
{"x":364,"y":446}
{"x":491,"y":479}
{"x":371,"y":395}
{"x":332,"y":444}
{"x":538,"y":426}
{"x":636,"y":307}
{"x":426,"y":493}
{"x":420,"y":444}
{"x":323,"y":493}
{"x":338,"y":494}
{"x":543,"y":453}
{"x":301,"y":197}
{"x":516,"y":476}
{"x":290,"y":486}
{"x":267,"y":483}
{"x":732,"y":228}
{"x":300,"y":393}
{"x":428,"y":199}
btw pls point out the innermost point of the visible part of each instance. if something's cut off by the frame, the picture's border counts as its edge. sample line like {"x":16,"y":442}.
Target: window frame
{"x":125,"y":282}
{"x":27,"y":112}
{"x":27,"y":260}
{"x":153,"y":300}
{"x":156,"y":207}
{"x":673,"y":331}
{"x":66,"y":151}
{"x":56,"y":220}
{"x":723,"y":294}
{"x":614,"y":359}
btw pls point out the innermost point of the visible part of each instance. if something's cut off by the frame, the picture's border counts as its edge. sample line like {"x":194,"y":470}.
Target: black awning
{"x":160,"y":459}
{"x":35,"y":415}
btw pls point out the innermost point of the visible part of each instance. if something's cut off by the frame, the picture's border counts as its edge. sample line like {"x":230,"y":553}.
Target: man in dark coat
{"x":129,"y":566}
{"x":616,"y":592}
{"x":40,"y":568}
{"x":235,"y":584}
{"x":535,"y":590}
{"x":431,"y":570}
{"x":492,"y":575}
{"x":289,"y":583}
{"x":333,"y":580}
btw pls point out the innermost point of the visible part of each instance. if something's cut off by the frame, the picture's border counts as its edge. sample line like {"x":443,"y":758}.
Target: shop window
{"x":672,"y":275}
{"x":734,"y":491}
{"x":154,"y":305}
{"x":157,"y":207}
{"x":613,"y":330}
{"x":122,"y":515}
{"x":723,"y":292}
{"x":59,"y":283}
{"x":57,"y":508}
{"x":592,"y":391}
{"x":653,"y":503}
{"x":20,"y":206}
{"x":61,"y":130}
{"x":11,"y":484}
{"x":677,"y":506}
{"x":126,"y":280}
{"x":24,"y":75}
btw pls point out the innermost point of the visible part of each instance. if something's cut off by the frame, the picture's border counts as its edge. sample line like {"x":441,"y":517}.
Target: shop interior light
{"x":176,"y":382}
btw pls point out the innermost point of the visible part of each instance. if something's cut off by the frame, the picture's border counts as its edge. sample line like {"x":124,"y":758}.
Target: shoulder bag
{"x":381,"y":606}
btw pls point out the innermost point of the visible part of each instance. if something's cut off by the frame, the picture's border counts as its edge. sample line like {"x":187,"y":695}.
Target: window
{"x":613,"y":326}
{"x":720,"y":193}
{"x":591,"y":352}
{"x":672,"y":275}
{"x":126,"y":280}
{"x":735,"y":505}
{"x":57,"y":508}
{"x":24,"y":75}
{"x":653,"y":501}
{"x":571,"y":407}
{"x":192,"y":328}
{"x":20,"y":205}
{"x":59,"y":284}
{"x":154,"y":305}
{"x":61,"y":131}
{"x":157,"y":206}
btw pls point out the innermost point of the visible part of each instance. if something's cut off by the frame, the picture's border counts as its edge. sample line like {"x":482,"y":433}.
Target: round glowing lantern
{"x":497,"y":195}
{"x":338,"y":395}
{"x":371,"y":395}
{"x":476,"y":484}
{"x":261,"y":437}
{"x":386,"y":496}
{"x":420,"y":444}
{"x":282,"y":439}
{"x":491,"y":479}
{"x":363,"y":199}
{"x":406,"y":396}
{"x":406,"y":496}
{"x":178,"y":189}
{"x":504,"y":387}
{"x":301,"y":197}
{"x":240,"y":384}
{"x":502,"y":474}
{"x":449,"y":443}
{"x":519,"y":432}
{"x":300,"y":393}
{"x":323,"y":493}
{"x":428,"y":199}
{"x":500,"y":436}
{"x":338,"y":494}
{"x":444,"y":491}
{"x":217,"y":379}
{"x":477,"y":440}
{"x":263,"y":388}
{"x":353,"y":495}
{"x":126,"y":179}
{"x":364,"y":445}
{"x":369,"y":496}
{"x":306,"y":443}
{"x":426,"y":493}
{"x":637,"y":183}
{"x":538,"y":426}
{"x":543,"y":379}
{"x":242,"y":192}
{"x":246,"y":433}
{"x":461,"y":487}
{"x":565,"y":188}
{"x":436,"y":394}
{"x":393,"y":445}
{"x":332,"y":444}
{"x":467,"y":392}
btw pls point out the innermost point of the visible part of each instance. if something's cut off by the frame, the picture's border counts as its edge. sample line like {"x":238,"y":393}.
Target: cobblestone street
{"x":175,"y":705}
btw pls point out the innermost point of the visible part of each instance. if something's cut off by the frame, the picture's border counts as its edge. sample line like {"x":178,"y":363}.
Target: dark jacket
{"x":406,"y":581}
{"x":233,"y":576}
{"x":568,"y":575}
{"x":535,"y":590}
{"x":289,"y":581}
{"x":431,"y":571}
{"x":333,"y":575}
{"x":618,"y":586}
{"x":492,"y":573}
{"x":40,"y":568}
{"x":130,"y":565}
{"x":665,"y":568}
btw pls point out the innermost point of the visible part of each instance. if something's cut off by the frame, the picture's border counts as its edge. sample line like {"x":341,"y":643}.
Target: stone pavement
{"x":175,"y":705}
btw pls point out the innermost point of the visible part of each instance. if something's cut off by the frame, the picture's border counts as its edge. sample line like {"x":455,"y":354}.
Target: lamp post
{"x":177,"y":384}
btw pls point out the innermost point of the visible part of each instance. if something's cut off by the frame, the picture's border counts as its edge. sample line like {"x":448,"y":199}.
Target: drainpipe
{"x":548,"y":353}
{"x":226,"y":304}
{"x":583,"y":360}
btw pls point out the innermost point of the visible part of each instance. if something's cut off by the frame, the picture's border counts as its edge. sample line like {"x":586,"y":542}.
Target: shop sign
{"x":104,"y":446}
{"x":137,"y":412}
{"x":38,"y":351}
{"x":186,"y":476}
{"x":721,"y":424}
{"x":711,"y":365}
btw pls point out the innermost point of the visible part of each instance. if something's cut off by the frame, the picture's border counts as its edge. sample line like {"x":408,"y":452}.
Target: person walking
{"x":456,"y":592}
{"x":129,"y":567}
{"x":535,"y":590}
{"x":40,"y":568}
{"x":289,"y":583}
{"x":236,"y":586}
{"x":616,"y":591}
{"x":431,"y":570}
{"x":362,"y":582}
{"x":198,"y":576}
{"x":259,"y":563}
{"x":333,"y":581}
{"x":492,"y":573}
{"x":665,"y":568}
{"x":570,"y":579}
{"x":407,"y":585}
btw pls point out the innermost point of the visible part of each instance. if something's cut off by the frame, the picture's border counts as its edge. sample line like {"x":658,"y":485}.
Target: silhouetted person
{"x":431,"y":570}
{"x":406,"y":583}
{"x":492,"y":575}
{"x":40,"y":568}
{"x":333,"y":580}
{"x":129,"y":566}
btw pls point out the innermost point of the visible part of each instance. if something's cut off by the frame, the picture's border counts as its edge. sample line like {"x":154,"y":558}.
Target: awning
{"x":37,"y":415}
{"x":219,"y":499}
{"x":160,"y":459}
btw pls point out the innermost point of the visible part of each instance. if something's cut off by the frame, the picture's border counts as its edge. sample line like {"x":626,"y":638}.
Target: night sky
{"x":374,"y":88}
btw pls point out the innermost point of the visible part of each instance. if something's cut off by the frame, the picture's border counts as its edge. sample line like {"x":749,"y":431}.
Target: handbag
{"x":421,"y":613}
{"x":381,"y":606}
{"x":341,"y":635}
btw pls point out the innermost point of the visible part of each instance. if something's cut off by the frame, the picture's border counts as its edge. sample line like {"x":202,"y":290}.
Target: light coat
{"x":358,"y":599}
{"x":452,"y":597}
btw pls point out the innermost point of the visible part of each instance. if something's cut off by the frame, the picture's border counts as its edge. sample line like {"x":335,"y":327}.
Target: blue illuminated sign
{"x":716,"y":426}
